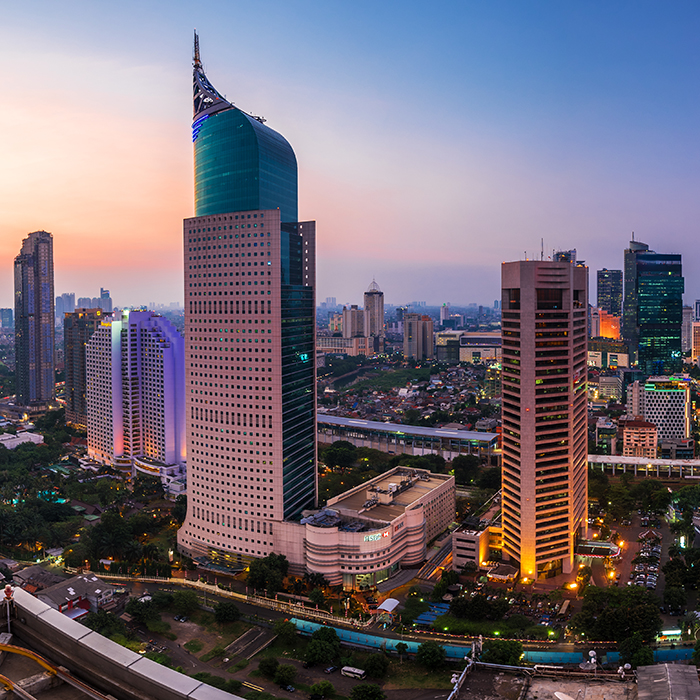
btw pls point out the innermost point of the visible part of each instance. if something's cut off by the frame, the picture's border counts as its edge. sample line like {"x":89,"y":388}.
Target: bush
{"x":377,"y":666}
{"x":226,"y":611}
{"x":501,"y":651}
{"x":430,"y":655}
{"x":268,"y":666}
{"x":324,"y":688}
{"x":285,"y":674}
{"x":185,"y":602}
{"x":367,"y":691}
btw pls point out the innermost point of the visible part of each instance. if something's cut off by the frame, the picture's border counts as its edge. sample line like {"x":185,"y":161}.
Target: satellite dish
{"x":562,"y":696}
{"x":591,"y":654}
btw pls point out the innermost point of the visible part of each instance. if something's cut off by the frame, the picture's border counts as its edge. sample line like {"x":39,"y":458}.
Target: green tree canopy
{"x":226,"y":611}
{"x":502,"y":651}
{"x":285,"y":674}
{"x":430,"y":655}
{"x":367,"y":691}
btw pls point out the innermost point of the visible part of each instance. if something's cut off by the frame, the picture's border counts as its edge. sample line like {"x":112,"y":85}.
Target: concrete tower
{"x":544,"y":414}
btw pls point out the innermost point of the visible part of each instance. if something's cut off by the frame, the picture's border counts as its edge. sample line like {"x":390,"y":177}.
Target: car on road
{"x":288,"y":688}
{"x":330,"y":669}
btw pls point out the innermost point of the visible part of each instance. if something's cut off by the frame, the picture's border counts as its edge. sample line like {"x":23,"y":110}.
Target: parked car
{"x":288,"y":688}
{"x":331,"y":669}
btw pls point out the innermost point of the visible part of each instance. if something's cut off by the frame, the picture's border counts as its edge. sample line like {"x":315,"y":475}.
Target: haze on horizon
{"x":433,"y":142}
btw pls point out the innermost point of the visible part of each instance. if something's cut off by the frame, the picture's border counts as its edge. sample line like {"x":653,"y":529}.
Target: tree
{"x":490,"y":479}
{"x":401,"y":649}
{"x":367,"y":691}
{"x":226,"y":611}
{"x":465,"y":468}
{"x":675,"y":598}
{"x":285,"y":630}
{"x":185,"y":602}
{"x":695,"y":658}
{"x":179,"y":510}
{"x":268,"y":666}
{"x":377,"y":665}
{"x":319,"y":652}
{"x":162,"y":599}
{"x":633,"y":651}
{"x":430,"y":655}
{"x":324,"y":688}
{"x":142,"y":612}
{"x":502,"y":651}
{"x":285,"y":674}
{"x":316,"y":596}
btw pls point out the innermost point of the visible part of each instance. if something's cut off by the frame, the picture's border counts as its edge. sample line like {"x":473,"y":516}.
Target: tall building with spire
{"x":249,"y":337}
{"x":34,"y":322}
{"x":374,"y":316}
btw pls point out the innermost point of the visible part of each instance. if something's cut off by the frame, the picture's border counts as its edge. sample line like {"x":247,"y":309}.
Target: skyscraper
{"x":418,"y":342}
{"x":249,"y":333}
{"x":34,"y":321}
{"x":135,"y":386}
{"x":7,"y":318}
{"x":653,"y":310}
{"x":609,"y":291}
{"x":374,"y":316}
{"x":78,"y":328}
{"x":105,"y":300}
{"x":544,"y":479}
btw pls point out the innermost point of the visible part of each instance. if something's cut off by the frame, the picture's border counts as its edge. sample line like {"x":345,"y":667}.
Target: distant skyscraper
{"x":105,"y":300}
{"x":374,"y":316}
{"x":353,"y":322}
{"x":545,"y":464}
{"x":444,"y":313}
{"x":697,"y":309}
{"x":250,"y":338}
{"x":652,"y":314}
{"x":695,"y":347}
{"x":7,"y":318}
{"x":331,"y":302}
{"x":85,"y":303}
{"x":78,"y":328}
{"x":418,"y":341}
{"x":686,"y":329}
{"x":135,"y":390}
{"x":610,"y":291}
{"x":34,"y":321}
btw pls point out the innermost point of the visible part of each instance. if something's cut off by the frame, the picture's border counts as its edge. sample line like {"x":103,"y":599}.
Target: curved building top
{"x":239,"y":163}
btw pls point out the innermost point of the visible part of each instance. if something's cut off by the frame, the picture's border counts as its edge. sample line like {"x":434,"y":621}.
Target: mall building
{"x":363,"y":536}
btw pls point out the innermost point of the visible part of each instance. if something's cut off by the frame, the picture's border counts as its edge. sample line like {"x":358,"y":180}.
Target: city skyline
{"x":558,"y":122}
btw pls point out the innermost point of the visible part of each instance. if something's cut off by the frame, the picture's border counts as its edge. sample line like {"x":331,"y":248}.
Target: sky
{"x":434,"y":140}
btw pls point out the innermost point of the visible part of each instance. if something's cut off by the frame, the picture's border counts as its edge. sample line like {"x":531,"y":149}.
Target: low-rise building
{"x":79,"y":595}
{"x":639,"y":439}
{"x":470,"y":544}
{"x":363,"y":536}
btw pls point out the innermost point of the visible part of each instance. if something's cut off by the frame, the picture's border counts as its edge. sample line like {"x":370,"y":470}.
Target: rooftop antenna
{"x":632,"y":236}
{"x":197,"y":60}
{"x":541,"y":249}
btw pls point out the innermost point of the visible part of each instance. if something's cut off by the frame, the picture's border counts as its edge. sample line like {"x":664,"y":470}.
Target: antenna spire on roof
{"x":196,"y":58}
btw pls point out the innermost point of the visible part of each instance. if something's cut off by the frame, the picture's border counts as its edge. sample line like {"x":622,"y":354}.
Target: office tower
{"x":652,"y":314}
{"x":544,"y":311}
{"x":374,"y":316}
{"x":335,"y":323}
{"x":7,"y":318}
{"x":249,"y":332}
{"x":609,"y":291}
{"x":135,"y":378}
{"x":85,"y":303}
{"x":78,"y":328}
{"x":444,"y":313}
{"x":687,"y":328}
{"x":418,"y":337}
{"x":697,"y":309}
{"x":105,"y":300}
{"x":353,"y":322}
{"x":565,"y":256}
{"x":331,"y":302}
{"x":34,"y":321}
{"x":695,"y":341}
{"x":663,"y":401}
{"x":65,"y":304}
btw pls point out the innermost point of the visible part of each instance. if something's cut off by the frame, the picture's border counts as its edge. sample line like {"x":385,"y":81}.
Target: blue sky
{"x":434,"y":140}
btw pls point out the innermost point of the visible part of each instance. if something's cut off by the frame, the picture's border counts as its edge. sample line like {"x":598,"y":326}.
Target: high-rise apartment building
{"x":652,"y":314}
{"x":695,"y":341}
{"x":663,"y":401}
{"x":353,"y":322}
{"x":105,"y":300}
{"x":78,"y":328}
{"x":249,"y":333}
{"x":544,"y":318}
{"x":374,"y":316}
{"x":34,"y":322}
{"x":418,"y":339}
{"x":687,"y":329}
{"x":135,"y":391}
{"x":7,"y":318}
{"x":65,"y":304}
{"x":609,"y":291}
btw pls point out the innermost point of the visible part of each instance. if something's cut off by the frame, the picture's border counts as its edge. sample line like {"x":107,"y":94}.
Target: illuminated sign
{"x":376,"y":536}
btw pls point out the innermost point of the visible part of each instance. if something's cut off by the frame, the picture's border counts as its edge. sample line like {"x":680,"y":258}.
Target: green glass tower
{"x":653,"y":310}
{"x":239,"y":163}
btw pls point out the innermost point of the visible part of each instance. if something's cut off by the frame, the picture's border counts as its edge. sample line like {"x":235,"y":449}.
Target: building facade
{"x":544,"y":312}
{"x":34,"y":322}
{"x":609,"y":291}
{"x":7,"y":319}
{"x":78,"y":328}
{"x":249,"y":335}
{"x":695,"y":341}
{"x":663,"y":401}
{"x":135,"y":391}
{"x":418,"y":341}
